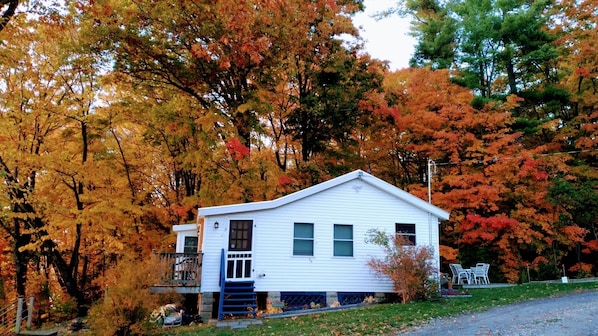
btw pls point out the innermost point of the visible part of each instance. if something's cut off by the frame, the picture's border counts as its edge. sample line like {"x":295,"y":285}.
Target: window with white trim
{"x":343,"y":240}
{"x":407,"y":231}
{"x":303,"y":239}
{"x":190,"y":245}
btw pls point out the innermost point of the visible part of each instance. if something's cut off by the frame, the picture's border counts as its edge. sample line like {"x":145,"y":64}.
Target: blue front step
{"x":239,"y":298}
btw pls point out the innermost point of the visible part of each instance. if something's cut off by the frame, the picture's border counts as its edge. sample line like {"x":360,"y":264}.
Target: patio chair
{"x":480,"y":273}
{"x":459,"y":274}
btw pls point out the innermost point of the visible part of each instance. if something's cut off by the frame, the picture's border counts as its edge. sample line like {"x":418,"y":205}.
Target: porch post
{"x":19,"y":315}
{"x":30,"y":312}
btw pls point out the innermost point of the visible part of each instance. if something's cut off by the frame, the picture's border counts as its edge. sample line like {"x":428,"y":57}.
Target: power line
{"x":519,"y":157}
{"x":433,"y":164}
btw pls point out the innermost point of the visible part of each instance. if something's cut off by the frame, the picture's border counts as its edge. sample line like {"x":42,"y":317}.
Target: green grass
{"x":384,"y":319}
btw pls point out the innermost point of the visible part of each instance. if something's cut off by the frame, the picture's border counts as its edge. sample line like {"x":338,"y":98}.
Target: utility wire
{"x":519,"y":157}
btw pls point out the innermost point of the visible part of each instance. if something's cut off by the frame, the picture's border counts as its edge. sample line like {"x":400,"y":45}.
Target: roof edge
{"x":357,"y":174}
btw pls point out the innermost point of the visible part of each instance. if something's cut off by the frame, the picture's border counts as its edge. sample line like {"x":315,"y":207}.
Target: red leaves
{"x":494,"y":222}
{"x":582,"y":72}
{"x":581,"y":267}
{"x":487,"y":229}
{"x":591,"y":246}
{"x":284,"y":180}
{"x":236,"y":149}
{"x":575,"y":233}
{"x":534,"y":169}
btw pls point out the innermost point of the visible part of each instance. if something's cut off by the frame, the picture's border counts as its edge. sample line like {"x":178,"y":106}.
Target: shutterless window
{"x":239,"y":238}
{"x":407,"y":231}
{"x":343,"y":240}
{"x":303,"y":239}
{"x":190,"y":245}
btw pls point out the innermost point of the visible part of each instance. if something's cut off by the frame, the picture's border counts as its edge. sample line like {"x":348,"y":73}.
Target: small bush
{"x":127,"y":302}
{"x":63,"y":308}
{"x":410,"y":268}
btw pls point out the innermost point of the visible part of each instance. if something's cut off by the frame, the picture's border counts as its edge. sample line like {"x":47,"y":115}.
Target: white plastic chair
{"x":480,"y":273}
{"x":459,"y":274}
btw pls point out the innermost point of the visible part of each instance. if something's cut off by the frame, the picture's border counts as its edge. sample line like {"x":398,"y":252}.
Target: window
{"x":303,"y":239}
{"x":343,"y":240}
{"x":239,"y":238}
{"x":406,"y":230}
{"x":190,"y":245}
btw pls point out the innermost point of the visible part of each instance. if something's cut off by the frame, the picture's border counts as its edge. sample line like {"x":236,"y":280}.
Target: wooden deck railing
{"x":180,"y":269}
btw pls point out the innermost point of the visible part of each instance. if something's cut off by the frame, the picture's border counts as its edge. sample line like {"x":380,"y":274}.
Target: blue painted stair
{"x":237,"y":298}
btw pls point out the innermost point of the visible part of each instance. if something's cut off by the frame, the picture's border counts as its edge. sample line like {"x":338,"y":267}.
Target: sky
{"x":386,"y":39}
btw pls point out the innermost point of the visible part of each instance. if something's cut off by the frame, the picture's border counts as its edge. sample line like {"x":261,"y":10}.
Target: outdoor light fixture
{"x":216,"y":225}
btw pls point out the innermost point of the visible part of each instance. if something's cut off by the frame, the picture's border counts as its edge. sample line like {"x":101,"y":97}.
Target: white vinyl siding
{"x":343,"y":240}
{"x":356,"y":202}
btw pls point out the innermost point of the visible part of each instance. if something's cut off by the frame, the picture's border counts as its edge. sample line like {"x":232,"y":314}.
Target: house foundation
{"x":277,"y":302}
{"x":206,"y":304}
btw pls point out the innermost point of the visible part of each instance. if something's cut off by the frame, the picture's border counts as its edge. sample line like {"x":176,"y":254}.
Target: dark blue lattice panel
{"x":302,"y":300}
{"x":346,"y":298}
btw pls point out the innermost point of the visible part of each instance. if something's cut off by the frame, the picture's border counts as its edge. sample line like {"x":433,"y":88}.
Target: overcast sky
{"x":386,"y":39}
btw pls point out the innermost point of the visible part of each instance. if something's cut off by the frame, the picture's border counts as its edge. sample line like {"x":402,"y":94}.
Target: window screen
{"x":343,"y":240}
{"x":303,"y":239}
{"x":407,"y":231}
{"x":190,"y":245}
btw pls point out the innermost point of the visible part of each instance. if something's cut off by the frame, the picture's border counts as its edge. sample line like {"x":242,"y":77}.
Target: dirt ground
{"x":569,"y":315}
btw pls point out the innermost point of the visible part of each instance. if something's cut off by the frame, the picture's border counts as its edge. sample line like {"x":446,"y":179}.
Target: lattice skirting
{"x":303,"y":300}
{"x":346,"y":298}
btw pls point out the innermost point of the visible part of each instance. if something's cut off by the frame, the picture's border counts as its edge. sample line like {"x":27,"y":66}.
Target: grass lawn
{"x":384,"y":319}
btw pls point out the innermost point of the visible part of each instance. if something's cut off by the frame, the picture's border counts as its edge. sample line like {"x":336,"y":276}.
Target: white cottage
{"x":303,"y":248}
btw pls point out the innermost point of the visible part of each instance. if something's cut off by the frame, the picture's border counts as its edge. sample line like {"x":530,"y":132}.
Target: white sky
{"x":386,"y":39}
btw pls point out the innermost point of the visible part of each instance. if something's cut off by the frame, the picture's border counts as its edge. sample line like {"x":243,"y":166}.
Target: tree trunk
{"x":68,"y":281}
{"x":511,"y":75}
{"x":8,"y":13}
{"x":21,"y":259}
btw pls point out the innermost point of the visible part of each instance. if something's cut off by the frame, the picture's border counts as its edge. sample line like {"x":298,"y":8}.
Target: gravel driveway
{"x":569,"y":315}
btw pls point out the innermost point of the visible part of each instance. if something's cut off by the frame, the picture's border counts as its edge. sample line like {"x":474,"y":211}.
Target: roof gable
{"x":357,"y":174}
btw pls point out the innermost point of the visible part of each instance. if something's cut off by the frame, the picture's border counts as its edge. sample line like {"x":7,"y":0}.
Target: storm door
{"x":238,"y":264}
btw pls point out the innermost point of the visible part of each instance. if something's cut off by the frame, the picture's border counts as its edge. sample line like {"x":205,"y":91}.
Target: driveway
{"x":569,"y":315}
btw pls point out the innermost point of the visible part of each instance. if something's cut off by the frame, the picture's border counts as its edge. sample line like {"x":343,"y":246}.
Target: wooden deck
{"x":179,"y":269}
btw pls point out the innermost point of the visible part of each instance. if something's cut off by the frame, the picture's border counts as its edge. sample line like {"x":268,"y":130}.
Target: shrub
{"x":410,"y":268}
{"x":63,"y":307}
{"x":127,"y":302}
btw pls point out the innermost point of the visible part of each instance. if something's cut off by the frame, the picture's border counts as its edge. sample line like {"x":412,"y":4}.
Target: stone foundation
{"x":206,"y":302}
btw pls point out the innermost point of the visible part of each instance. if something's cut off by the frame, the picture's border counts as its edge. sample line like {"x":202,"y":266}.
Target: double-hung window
{"x":407,"y":231}
{"x":343,"y":240}
{"x":303,"y":239}
{"x":190,"y":245}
